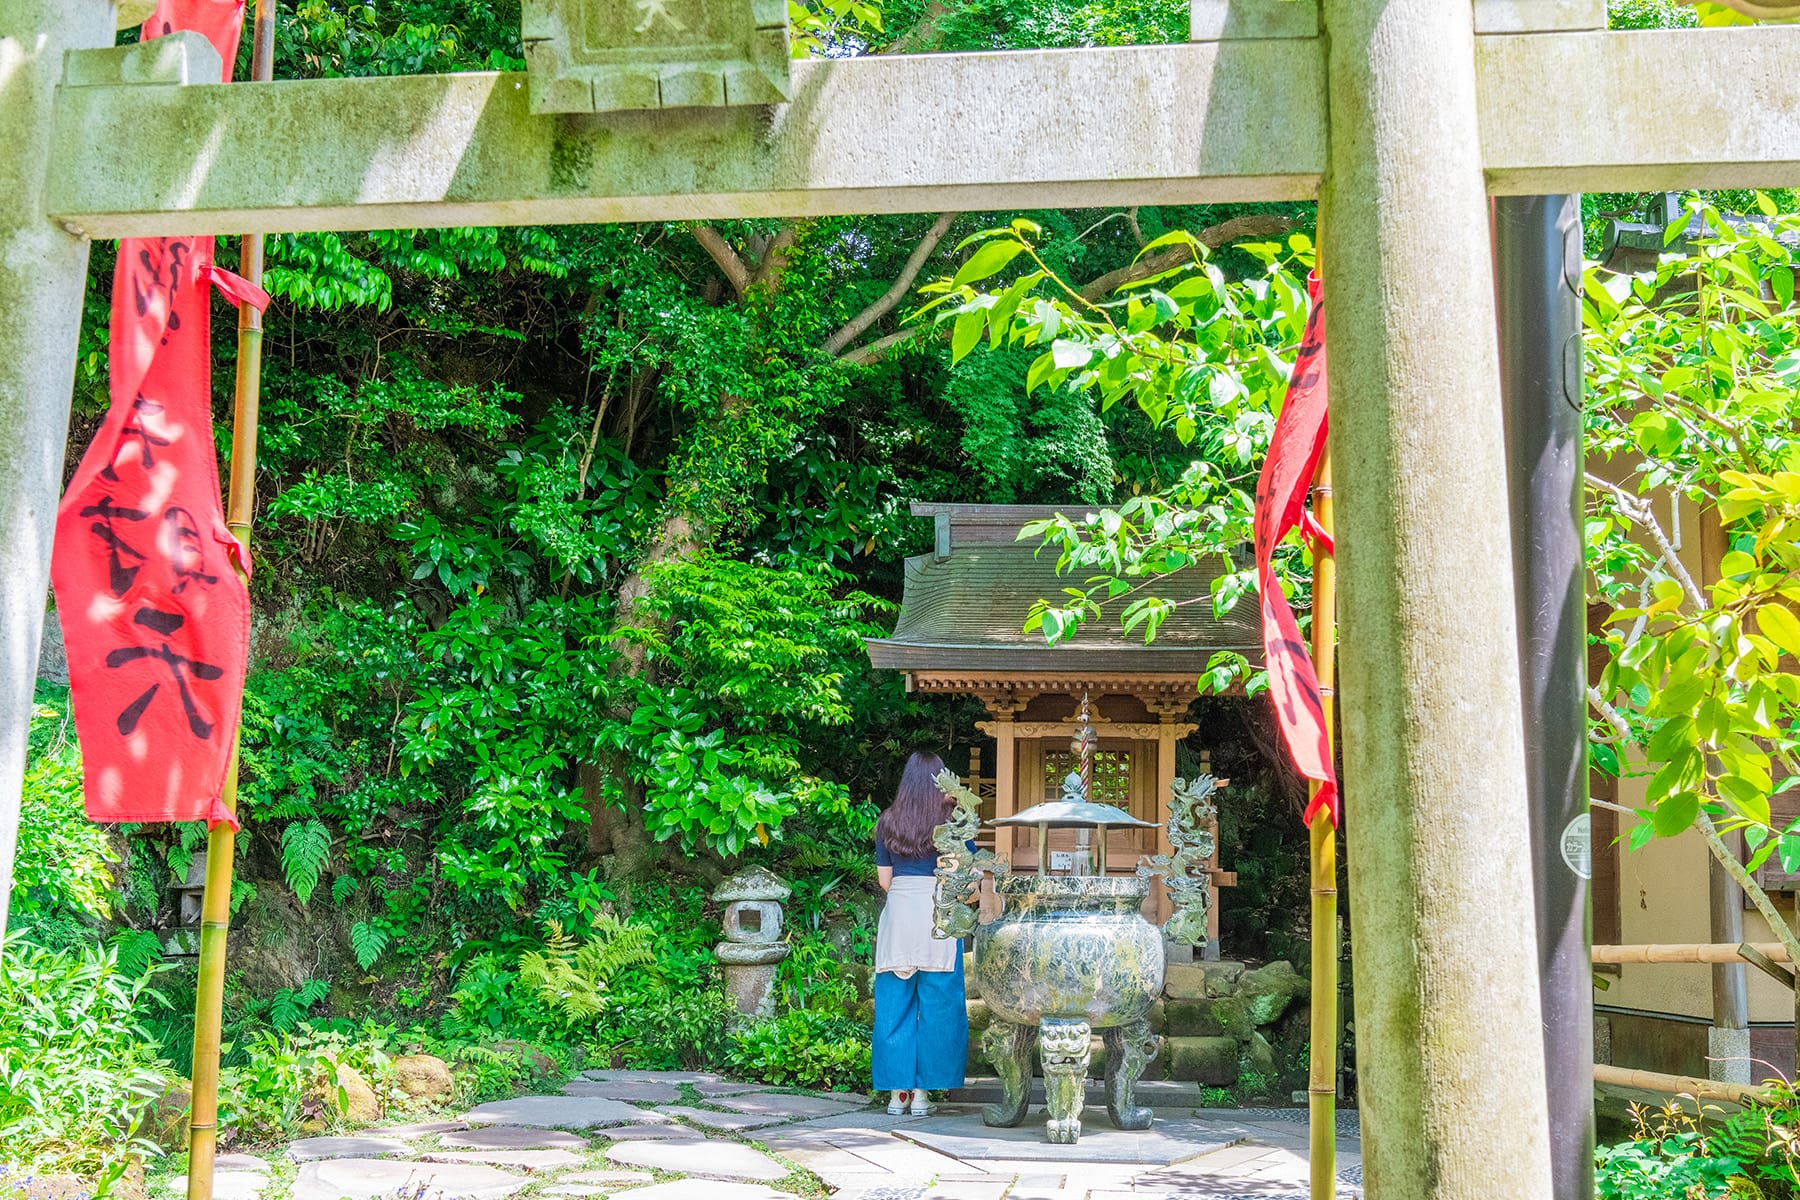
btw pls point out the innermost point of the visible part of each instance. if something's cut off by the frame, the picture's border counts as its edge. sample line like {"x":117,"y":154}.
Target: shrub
{"x":804,"y":1048}
{"x":76,"y":1067}
{"x":653,"y":1026}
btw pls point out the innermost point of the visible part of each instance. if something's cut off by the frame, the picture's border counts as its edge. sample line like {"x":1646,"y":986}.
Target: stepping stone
{"x":733,"y":1122}
{"x":856,"y":1098}
{"x":577,"y":1189}
{"x":421,"y":1129}
{"x":675,"y":1077}
{"x":524,"y":1160}
{"x":652,"y":1133}
{"x":560,"y":1112}
{"x":239,"y":1162}
{"x":309,"y":1149}
{"x":639,"y":1091}
{"x":726,"y":1089}
{"x":228,"y":1185}
{"x":719,"y":1160}
{"x":512,"y":1137}
{"x":609,"y":1179}
{"x":787,"y":1108}
{"x":366,"y":1178}
{"x":707,"y":1189}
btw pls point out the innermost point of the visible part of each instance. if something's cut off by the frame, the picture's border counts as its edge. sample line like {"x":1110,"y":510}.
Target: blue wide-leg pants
{"x":921,"y":1035}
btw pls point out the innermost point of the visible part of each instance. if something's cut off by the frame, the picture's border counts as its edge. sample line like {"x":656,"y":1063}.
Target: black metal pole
{"x":1537,"y":249}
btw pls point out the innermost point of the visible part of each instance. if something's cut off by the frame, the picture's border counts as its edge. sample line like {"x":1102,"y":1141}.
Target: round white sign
{"x":1576,"y":851}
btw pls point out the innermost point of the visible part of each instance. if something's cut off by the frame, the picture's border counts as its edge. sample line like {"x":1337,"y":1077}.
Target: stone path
{"x":629,"y":1134}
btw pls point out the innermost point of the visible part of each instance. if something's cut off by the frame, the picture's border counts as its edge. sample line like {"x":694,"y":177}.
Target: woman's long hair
{"x":918,"y":808}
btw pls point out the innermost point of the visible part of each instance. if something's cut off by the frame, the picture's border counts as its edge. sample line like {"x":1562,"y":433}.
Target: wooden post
{"x":1321,"y":1084}
{"x":1006,"y":758}
{"x":43,"y":274}
{"x":1165,"y":783}
{"x":221,"y":842}
{"x":1450,"y":1049}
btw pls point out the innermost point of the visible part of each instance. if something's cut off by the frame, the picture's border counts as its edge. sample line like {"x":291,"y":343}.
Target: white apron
{"x":903,"y":942}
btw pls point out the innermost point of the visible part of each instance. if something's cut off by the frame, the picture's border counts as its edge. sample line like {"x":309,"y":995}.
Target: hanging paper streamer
{"x":155,"y":620}
{"x":1281,"y":491}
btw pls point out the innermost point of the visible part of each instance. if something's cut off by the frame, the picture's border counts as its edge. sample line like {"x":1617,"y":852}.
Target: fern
{"x":138,"y":950}
{"x":368,"y":941}
{"x":305,"y":845}
{"x":572,"y":976}
{"x":342,"y":888}
{"x":290,"y":1006}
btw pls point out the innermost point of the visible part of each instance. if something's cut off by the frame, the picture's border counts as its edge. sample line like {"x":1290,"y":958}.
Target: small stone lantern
{"x":752,"y":945}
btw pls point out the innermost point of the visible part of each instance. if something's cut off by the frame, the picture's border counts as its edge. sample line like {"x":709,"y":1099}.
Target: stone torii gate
{"x":1401,"y":116}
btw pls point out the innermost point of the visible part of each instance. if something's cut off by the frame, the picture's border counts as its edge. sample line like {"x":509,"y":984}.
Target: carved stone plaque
{"x":601,"y":55}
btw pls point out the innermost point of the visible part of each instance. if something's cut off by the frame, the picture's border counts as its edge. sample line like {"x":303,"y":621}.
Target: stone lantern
{"x":752,"y":945}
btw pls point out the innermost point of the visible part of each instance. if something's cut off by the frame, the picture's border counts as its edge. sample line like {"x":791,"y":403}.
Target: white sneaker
{"x":920,"y":1107}
{"x":897,"y":1106}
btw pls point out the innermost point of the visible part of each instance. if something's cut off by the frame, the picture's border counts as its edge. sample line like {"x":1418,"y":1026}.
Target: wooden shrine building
{"x":959,"y":632}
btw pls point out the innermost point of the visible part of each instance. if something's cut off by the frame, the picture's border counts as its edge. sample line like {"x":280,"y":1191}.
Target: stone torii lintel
{"x":1221,"y":121}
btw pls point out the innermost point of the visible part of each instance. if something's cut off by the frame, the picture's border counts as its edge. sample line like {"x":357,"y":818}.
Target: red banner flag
{"x":155,"y":620}
{"x":1281,"y":491}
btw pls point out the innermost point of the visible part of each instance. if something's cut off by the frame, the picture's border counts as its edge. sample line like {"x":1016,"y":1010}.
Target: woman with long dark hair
{"x":921,"y":1022}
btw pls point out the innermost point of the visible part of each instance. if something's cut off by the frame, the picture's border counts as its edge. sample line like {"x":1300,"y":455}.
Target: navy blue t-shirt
{"x":925,"y":865}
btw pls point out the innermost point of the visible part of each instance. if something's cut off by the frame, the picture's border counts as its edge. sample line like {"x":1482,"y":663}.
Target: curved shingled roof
{"x":964,"y":605}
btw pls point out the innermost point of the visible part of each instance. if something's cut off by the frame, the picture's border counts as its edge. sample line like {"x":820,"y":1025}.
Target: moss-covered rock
{"x":1223,"y":978}
{"x":356,"y":1100}
{"x":1259,"y":1057}
{"x":1268,"y":991}
{"x":1184,"y":981}
{"x":1208,"y":1060}
{"x":424,"y":1077}
{"x":1191,"y":1018}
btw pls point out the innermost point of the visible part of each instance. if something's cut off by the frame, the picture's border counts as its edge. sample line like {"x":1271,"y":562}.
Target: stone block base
{"x":1207,"y":1060}
{"x":1728,"y":1055}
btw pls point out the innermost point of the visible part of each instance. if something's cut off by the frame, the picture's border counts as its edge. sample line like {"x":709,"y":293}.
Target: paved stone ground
{"x":1205,"y":1154}
{"x":617,"y":1137}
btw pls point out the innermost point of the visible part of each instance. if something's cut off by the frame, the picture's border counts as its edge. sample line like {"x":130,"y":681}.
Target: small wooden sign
{"x":605,"y":55}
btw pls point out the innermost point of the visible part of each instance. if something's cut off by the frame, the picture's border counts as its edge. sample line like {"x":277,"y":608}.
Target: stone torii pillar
{"x":43,"y":274}
{"x":1450,"y":1046}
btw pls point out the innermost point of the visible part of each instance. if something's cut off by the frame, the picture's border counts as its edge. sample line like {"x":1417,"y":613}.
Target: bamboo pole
{"x":1674,"y":1085}
{"x":221,"y":841}
{"x":1321,"y":1090}
{"x":1686,"y":952}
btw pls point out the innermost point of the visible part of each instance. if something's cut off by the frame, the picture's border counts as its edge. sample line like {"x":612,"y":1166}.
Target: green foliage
{"x":1748,"y":1154}
{"x":76,"y":1065}
{"x":765,"y":652}
{"x":367,"y":941}
{"x":803,"y":1048}
{"x":573,"y":976}
{"x":290,"y":1006}
{"x":63,"y":875}
{"x":305,"y":845}
{"x":1202,"y":356}
{"x":1693,"y":377}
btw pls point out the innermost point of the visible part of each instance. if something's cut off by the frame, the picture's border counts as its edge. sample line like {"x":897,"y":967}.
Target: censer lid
{"x":1070,"y":814}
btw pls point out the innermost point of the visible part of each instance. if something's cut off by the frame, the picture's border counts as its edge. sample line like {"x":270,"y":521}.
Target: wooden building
{"x":959,"y":632}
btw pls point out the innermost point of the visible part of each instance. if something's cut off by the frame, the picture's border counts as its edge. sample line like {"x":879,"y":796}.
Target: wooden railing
{"x":1766,"y":957}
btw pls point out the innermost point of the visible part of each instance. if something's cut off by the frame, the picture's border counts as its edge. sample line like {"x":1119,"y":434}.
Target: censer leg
{"x":1008,"y":1047}
{"x":1064,"y":1046}
{"x":1129,"y":1049}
